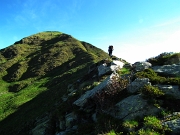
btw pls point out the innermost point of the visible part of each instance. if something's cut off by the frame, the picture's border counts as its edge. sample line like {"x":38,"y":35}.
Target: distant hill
{"x":35,"y":72}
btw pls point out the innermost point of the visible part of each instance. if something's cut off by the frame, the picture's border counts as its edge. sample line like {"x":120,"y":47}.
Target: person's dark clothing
{"x":110,"y":50}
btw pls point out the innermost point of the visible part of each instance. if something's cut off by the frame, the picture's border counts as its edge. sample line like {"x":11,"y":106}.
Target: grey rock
{"x":137,"y":84}
{"x":168,"y":70}
{"x":133,"y":106}
{"x":62,"y":125}
{"x":172,"y":90}
{"x":173,"y":124}
{"x":84,"y":98}
{"x":115,"y":65}
{"x":71,"y":118}
{"x":103,"y":69}
{"x":140,"y":66}
{"x":40,"y":128}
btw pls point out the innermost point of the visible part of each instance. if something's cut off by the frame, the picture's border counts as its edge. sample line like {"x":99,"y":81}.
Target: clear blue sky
{"x":138,"y":29}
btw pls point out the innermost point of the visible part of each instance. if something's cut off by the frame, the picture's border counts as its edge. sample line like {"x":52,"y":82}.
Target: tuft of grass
{"x":153,"y":123}
{"x":124,"y":71}
{"x":156,"y":79}
{"x":147,"y":132}
{"x":130,"y":124}
{"x":151,"y":91}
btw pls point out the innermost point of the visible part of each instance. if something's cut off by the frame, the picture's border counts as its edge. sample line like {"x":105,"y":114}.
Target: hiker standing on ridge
{"x":110,"y":49}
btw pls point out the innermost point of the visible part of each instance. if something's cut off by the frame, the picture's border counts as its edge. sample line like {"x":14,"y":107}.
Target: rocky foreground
{"x":121,"y":97}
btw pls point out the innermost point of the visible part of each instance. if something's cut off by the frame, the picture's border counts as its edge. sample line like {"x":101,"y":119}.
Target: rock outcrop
{"x":134,"y":105}
{"x":168,"y":70}
{"x":139,"y":66}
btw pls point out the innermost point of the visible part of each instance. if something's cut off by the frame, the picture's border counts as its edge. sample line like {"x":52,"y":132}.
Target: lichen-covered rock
{"x":172,"y":90}
{"x":137,"y":84}
{"x":85,"y":97}
{"x":173,"y":123}
{"x":168,"y":70}
{"x":132,"y":107}
{"x":114,"y":66}
{"x":140,"y":66}
{"x":103,"y":69}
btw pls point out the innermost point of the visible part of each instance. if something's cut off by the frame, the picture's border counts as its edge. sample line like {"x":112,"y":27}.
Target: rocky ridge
{"x":130,"y":104}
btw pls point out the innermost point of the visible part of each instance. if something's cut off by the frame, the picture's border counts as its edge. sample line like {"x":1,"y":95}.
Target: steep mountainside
{"x":34,"y":74}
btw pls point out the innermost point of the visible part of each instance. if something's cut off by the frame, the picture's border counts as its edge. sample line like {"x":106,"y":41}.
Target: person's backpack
{"x":110,"y":47}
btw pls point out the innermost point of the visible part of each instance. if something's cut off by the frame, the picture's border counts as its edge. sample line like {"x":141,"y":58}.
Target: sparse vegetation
{"x":156,"y":79}
{"x":151,"y":91}
{"x":130,"y":124}
{"x":124,"y":71}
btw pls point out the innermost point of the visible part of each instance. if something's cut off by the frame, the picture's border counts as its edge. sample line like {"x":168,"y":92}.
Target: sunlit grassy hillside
{"x":34,"y":74}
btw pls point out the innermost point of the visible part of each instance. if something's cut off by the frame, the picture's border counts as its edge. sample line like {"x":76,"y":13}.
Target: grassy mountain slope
{"x":34,"y":74}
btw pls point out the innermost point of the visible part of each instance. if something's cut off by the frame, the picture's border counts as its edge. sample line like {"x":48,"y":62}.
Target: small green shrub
{"x":147,"y":73}
{"x":156,"y":79}
{"x":130,"y":124}
{"x":124,"y":71}
{"x":151,"y":91}
{"x":160,"y":59}
{"x":147,"y":132}
{"x":153,"y":123}
{"x":111,"y":133}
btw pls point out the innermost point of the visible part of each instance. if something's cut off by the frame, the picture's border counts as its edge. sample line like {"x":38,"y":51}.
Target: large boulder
{"x":172,"y":90}
{"x":132,"y":107}
{"x":140,"y":66}
{"x":104,"y":69}
{"x":114,"y":66}
{"x":168,"y":70}
{"x":98,"y":89}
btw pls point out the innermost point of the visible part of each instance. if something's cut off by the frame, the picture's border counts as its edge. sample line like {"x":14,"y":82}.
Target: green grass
{"x":11,"y":101}
{"x":156,"y":79}
{"x":124,"y":71}
{"x":164,"y":58}
{"x":150,"y":91}
{"x":35,"y":73}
